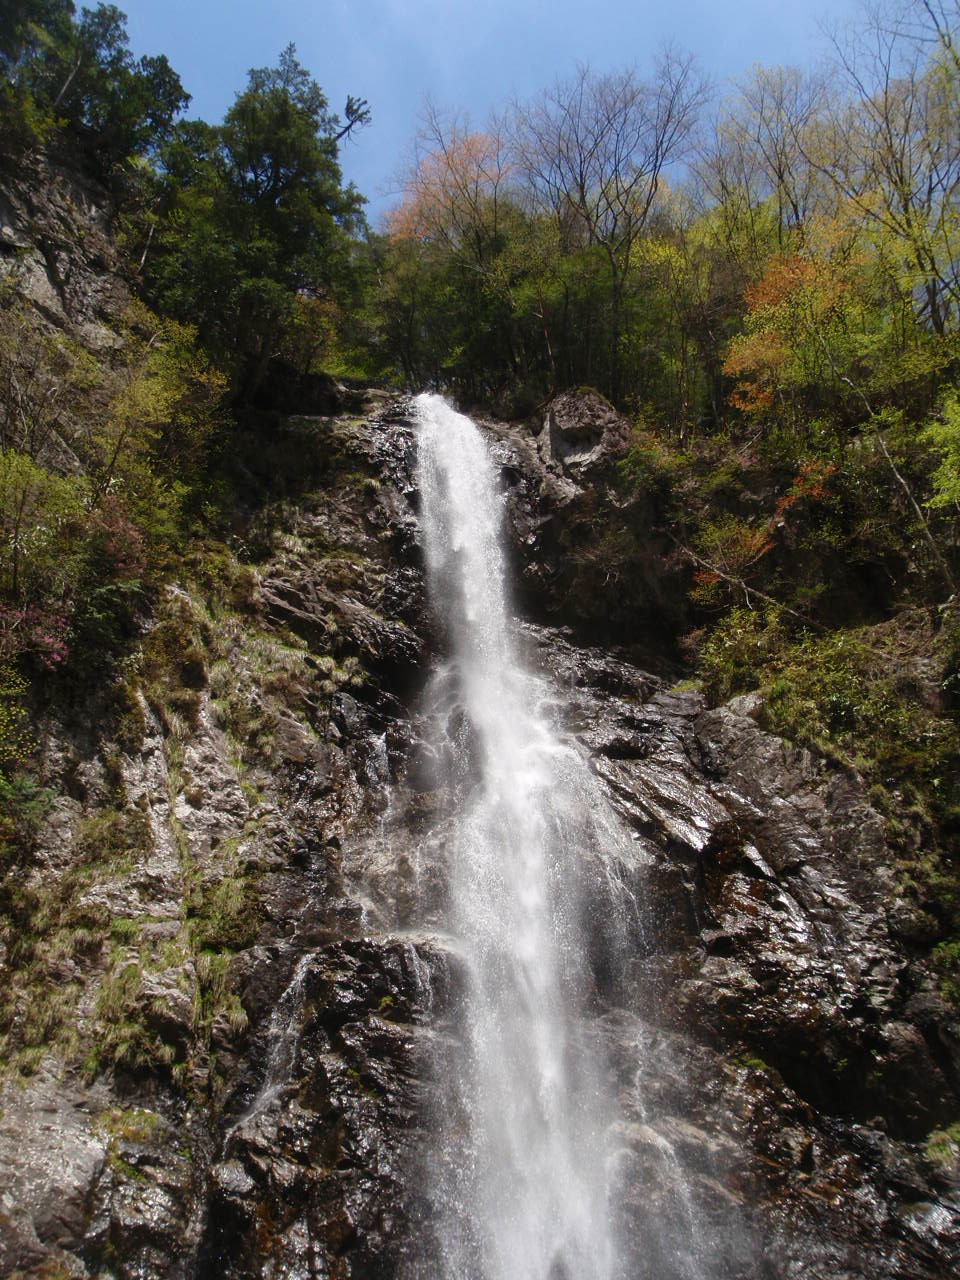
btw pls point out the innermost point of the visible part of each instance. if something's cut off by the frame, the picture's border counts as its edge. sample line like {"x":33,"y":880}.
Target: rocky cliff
{"x":226,"y":995}
{"x":229,"y":998}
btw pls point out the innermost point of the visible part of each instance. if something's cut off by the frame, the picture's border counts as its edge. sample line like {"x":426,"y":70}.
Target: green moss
{"x":751,"y":1062}
{"x":47,"y":1022}
{"x":950,"y":669}
{"x":585,"y":389}
{"x":740,"y":651}
{"x":224,"y":915}
{"x":849,"y":696}
{"x":123,"y":1169}
{"x":650,"y":467}
{"x":235,"y":1013}
{"x":221,"y":579}
{"x":364,"y":1085}
{"x":112,"y":839}
{"x":211,"y":994}
{"x":946,"y":958}
{"x":122,"y":1036}
{"x":130,"y":720}
{"x":50,"y":1271}
{"x":132,"y":1124}
{"x":118,"y":991}
{"x":47,"y":921}
{"x":839,"y":694}
{"x":24,"y":803}
{"x":172,"y":669}
{"x":124,"y":929}
{"x":943,"y":1146}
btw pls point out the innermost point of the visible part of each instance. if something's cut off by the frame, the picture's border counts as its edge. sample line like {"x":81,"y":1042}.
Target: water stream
{"x":523,"y":1158}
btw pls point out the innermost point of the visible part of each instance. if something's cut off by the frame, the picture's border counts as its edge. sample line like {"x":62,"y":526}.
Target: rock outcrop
{"x":234,"y":1001}
{"x":585,"y":552}
{"x":56,"y":246}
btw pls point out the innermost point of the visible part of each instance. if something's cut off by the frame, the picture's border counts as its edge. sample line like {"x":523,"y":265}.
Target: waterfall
{"x":522,"y":1161}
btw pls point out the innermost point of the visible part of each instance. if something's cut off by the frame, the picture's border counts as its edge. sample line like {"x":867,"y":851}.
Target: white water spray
{"x":522,"y":1156}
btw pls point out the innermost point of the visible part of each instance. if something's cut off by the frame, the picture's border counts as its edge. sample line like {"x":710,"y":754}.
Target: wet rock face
{"x":314,"y":1173}
{"x":778,"y":1050}
{"x":585,"y":553}
{"x":774,"y":1000}
{"x":55,"y":243}
{"x":582,"y":432}
{"x":185,"y":872}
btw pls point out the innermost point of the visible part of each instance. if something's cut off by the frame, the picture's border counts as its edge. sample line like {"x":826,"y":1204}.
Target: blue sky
{"x":473,"y":55}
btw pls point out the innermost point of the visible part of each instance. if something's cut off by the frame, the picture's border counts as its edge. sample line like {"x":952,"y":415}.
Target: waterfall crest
{"x":523,"y":1162}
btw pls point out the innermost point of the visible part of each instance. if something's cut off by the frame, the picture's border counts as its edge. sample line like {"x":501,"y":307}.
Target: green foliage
{"x":16,"y":739}
{"x":950,"y":675}
{"x":259,"y":219}
{"x":75,"y":78}
{"x":739,"y":650}
{"x":222,"y":580}
{"x":652,"y":468}
{"x":24,"y":802}
{"x":730,"y":548}
{"x":943,"y":1147}
{"x":835,"y":693}
{"x":752,"y":1063}
{"x":134,"y":1124}
{"x":79,"y":550}
{"x":124,"y":1036}
{"x":113,"y":837}
{"x":943,"y":434}
{"x":44,"y":921}
{"x":29,"y":28}
{"x":223,"y":916}
{"x":39,"y":515}
{"x":866,"y":700}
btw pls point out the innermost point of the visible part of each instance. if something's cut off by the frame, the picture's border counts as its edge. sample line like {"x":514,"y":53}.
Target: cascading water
{"x":523,"y":1161}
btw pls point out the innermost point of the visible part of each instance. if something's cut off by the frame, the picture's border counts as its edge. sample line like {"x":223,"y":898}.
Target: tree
{"x":692,"y":289}
{"x":799,"y":343}
{"x":26,"y":26}
{"x":28,"y":29}
{"x":452,"y":191}
{"x":40,"y":515}
{"x":934,"y":22}
{"x":79,"y":76}
{"x":40,"y":376}
{"x":446,"y":238}
{"x":258,"y":217}
{"x":892,"y":151}
{"x":943,"y":433}
{"x":755,"y":153}
{"x":592,"y":152}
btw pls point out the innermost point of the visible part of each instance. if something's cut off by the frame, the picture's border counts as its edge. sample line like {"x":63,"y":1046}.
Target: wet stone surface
{"x":780,"y":1053}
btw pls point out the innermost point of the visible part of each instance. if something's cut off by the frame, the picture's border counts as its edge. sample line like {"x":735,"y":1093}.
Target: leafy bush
{"x":24,"y":803}
{"x":943,"y":434}
{"x":739,"y":650}
{"x":650,"y":467}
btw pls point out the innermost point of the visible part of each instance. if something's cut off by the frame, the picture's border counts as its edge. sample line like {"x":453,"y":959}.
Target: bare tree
{"x":592,"y":151}
{"x":756,"y":155}
{"x":451,"y":191}
{"x":933,"y":22}
{"x":892,"y":148}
